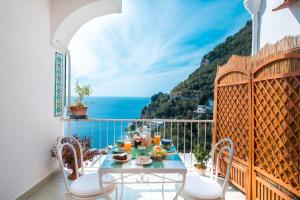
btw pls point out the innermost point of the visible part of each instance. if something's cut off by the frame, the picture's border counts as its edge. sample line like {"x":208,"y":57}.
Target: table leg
{"x":182,"y":186}
{"x":101,"y":185}
{"x":117,"y":192}
{"x":122,"y":186}
{"x":163,"y":187}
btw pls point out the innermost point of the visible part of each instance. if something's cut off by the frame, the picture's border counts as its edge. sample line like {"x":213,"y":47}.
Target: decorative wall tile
{"x":59,"y":84}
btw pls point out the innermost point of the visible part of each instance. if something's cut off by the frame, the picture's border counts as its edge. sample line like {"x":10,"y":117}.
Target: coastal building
{"x":32,"y":32}
{"x":201,"y":109}
{"x":204,"y":110}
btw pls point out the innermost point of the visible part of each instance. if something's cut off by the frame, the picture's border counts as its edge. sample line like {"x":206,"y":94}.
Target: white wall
{"x":28,"y":128}
{"x":277,"y":24}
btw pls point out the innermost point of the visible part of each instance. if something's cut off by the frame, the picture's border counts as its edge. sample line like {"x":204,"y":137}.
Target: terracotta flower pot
{"x":78,"y":112}
{"x":200,"y":170}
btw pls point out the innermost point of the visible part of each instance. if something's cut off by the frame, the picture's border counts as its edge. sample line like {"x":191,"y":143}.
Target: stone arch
{"x":69,"y":15}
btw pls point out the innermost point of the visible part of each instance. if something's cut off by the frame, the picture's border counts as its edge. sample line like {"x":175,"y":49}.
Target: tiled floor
{"x":55,"y":188}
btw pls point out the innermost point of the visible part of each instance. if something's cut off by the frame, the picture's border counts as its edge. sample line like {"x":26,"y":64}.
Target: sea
{"x":105,"y":133}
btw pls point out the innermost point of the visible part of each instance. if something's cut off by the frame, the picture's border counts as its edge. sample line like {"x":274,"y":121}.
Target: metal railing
{"x":185,"y":134}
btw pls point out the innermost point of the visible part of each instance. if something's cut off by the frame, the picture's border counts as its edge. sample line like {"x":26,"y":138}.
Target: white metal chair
{"x":86,"y":186}
{"x":204,"y":188}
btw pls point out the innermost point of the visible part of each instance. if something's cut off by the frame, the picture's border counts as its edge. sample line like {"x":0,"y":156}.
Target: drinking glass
{"x":127,"y":146}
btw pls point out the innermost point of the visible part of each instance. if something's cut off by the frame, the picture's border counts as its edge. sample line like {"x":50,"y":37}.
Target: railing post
{"x":171,"y":131}
{"x":184,"y":130}
{"x":93,"y":134}
{"x":205,"y":136}
{"x":100,"y":131}
{"x":85,"y":129}
{"x":198,"y":136}
{"x":177,"y":136}
{"x":114,"y":132}
{"x":164,"y":129}
{"x":191,"y":149}
{"x":106,"y":133}
{"x":121,"y":129}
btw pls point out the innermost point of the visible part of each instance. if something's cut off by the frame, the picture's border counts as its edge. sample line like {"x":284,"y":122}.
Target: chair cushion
{"x":200,"y":187}
{"x":88,"y":185}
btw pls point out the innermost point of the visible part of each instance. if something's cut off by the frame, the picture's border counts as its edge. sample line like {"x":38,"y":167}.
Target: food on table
{"x":137,"y":141}
{"x":122,"y":156}
{"x":142,"y":140}
{"x":143,"y":159}
{"x":158,"y":152}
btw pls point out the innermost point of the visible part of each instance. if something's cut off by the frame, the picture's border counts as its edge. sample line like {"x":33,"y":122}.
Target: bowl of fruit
{"x":158,"y":153}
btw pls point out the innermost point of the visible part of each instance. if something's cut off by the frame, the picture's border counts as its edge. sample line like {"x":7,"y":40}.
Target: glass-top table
{"x":152,"y":173}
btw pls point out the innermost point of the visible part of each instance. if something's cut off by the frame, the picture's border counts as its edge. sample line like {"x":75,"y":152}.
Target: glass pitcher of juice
{"x":156,"y":139}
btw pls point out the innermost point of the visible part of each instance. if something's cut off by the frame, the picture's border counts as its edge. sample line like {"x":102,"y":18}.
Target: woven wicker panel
{"x":233,"y":117}
{"x":277,"y":129}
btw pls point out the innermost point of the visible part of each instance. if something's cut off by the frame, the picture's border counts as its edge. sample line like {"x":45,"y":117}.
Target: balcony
{"x":257,"y":100}
{"x":104,"y":132}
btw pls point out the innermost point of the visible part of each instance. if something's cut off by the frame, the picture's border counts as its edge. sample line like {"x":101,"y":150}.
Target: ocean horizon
{"x":108,"y":108}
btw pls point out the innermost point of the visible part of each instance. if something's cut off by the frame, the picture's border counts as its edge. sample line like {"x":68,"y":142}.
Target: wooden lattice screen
{"x":233,"y":101}
{"x":276,"y":124}
{"x":258,"y":107}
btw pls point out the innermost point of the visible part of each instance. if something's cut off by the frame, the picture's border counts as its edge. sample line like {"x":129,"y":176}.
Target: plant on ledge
{"x":202,"y":156}
{"x":67,"y":153}
{"x":79,"y":109}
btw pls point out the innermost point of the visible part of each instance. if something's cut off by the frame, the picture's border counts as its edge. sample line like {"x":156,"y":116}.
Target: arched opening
{"x":68,"y":17}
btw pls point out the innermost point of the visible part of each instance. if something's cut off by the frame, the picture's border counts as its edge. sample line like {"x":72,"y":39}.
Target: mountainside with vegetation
{"x":198,"y":88}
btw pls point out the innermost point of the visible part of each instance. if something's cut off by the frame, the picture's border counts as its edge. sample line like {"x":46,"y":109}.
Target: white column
{"x":69,"y":88}
{"x":253,"y":7}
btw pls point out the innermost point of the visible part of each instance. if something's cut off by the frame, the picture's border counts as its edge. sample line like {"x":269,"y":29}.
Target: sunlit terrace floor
{"x":54,"y":189}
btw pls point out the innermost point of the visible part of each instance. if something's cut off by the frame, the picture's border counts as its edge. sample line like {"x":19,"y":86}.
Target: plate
{"x":144,"y":163}
{"x":123,"y":161}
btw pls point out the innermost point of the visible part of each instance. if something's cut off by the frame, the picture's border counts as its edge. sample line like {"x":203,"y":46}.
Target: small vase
{"x":72,"y":176}
{"x":201,"y":171}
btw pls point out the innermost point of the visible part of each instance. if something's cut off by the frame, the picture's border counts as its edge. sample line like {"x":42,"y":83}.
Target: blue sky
{"x":152,"y":45}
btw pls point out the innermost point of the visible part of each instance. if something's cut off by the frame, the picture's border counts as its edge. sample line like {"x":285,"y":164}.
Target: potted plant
{"x":79,"y":109}
{"x":68,"y":157}
{"x":202,"y":156}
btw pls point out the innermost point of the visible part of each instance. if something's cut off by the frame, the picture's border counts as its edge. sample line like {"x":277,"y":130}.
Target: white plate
{"x":144,"y":163}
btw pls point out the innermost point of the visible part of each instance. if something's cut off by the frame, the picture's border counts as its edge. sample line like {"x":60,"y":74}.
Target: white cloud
{"x":151,"y":46}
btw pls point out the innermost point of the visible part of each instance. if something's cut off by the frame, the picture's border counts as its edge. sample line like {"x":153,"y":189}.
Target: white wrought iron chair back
{"x":60,"y":146}
{"x":228,"y":147}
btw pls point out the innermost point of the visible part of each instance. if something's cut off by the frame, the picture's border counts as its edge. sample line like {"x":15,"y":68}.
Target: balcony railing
{"x":185,"y":134}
